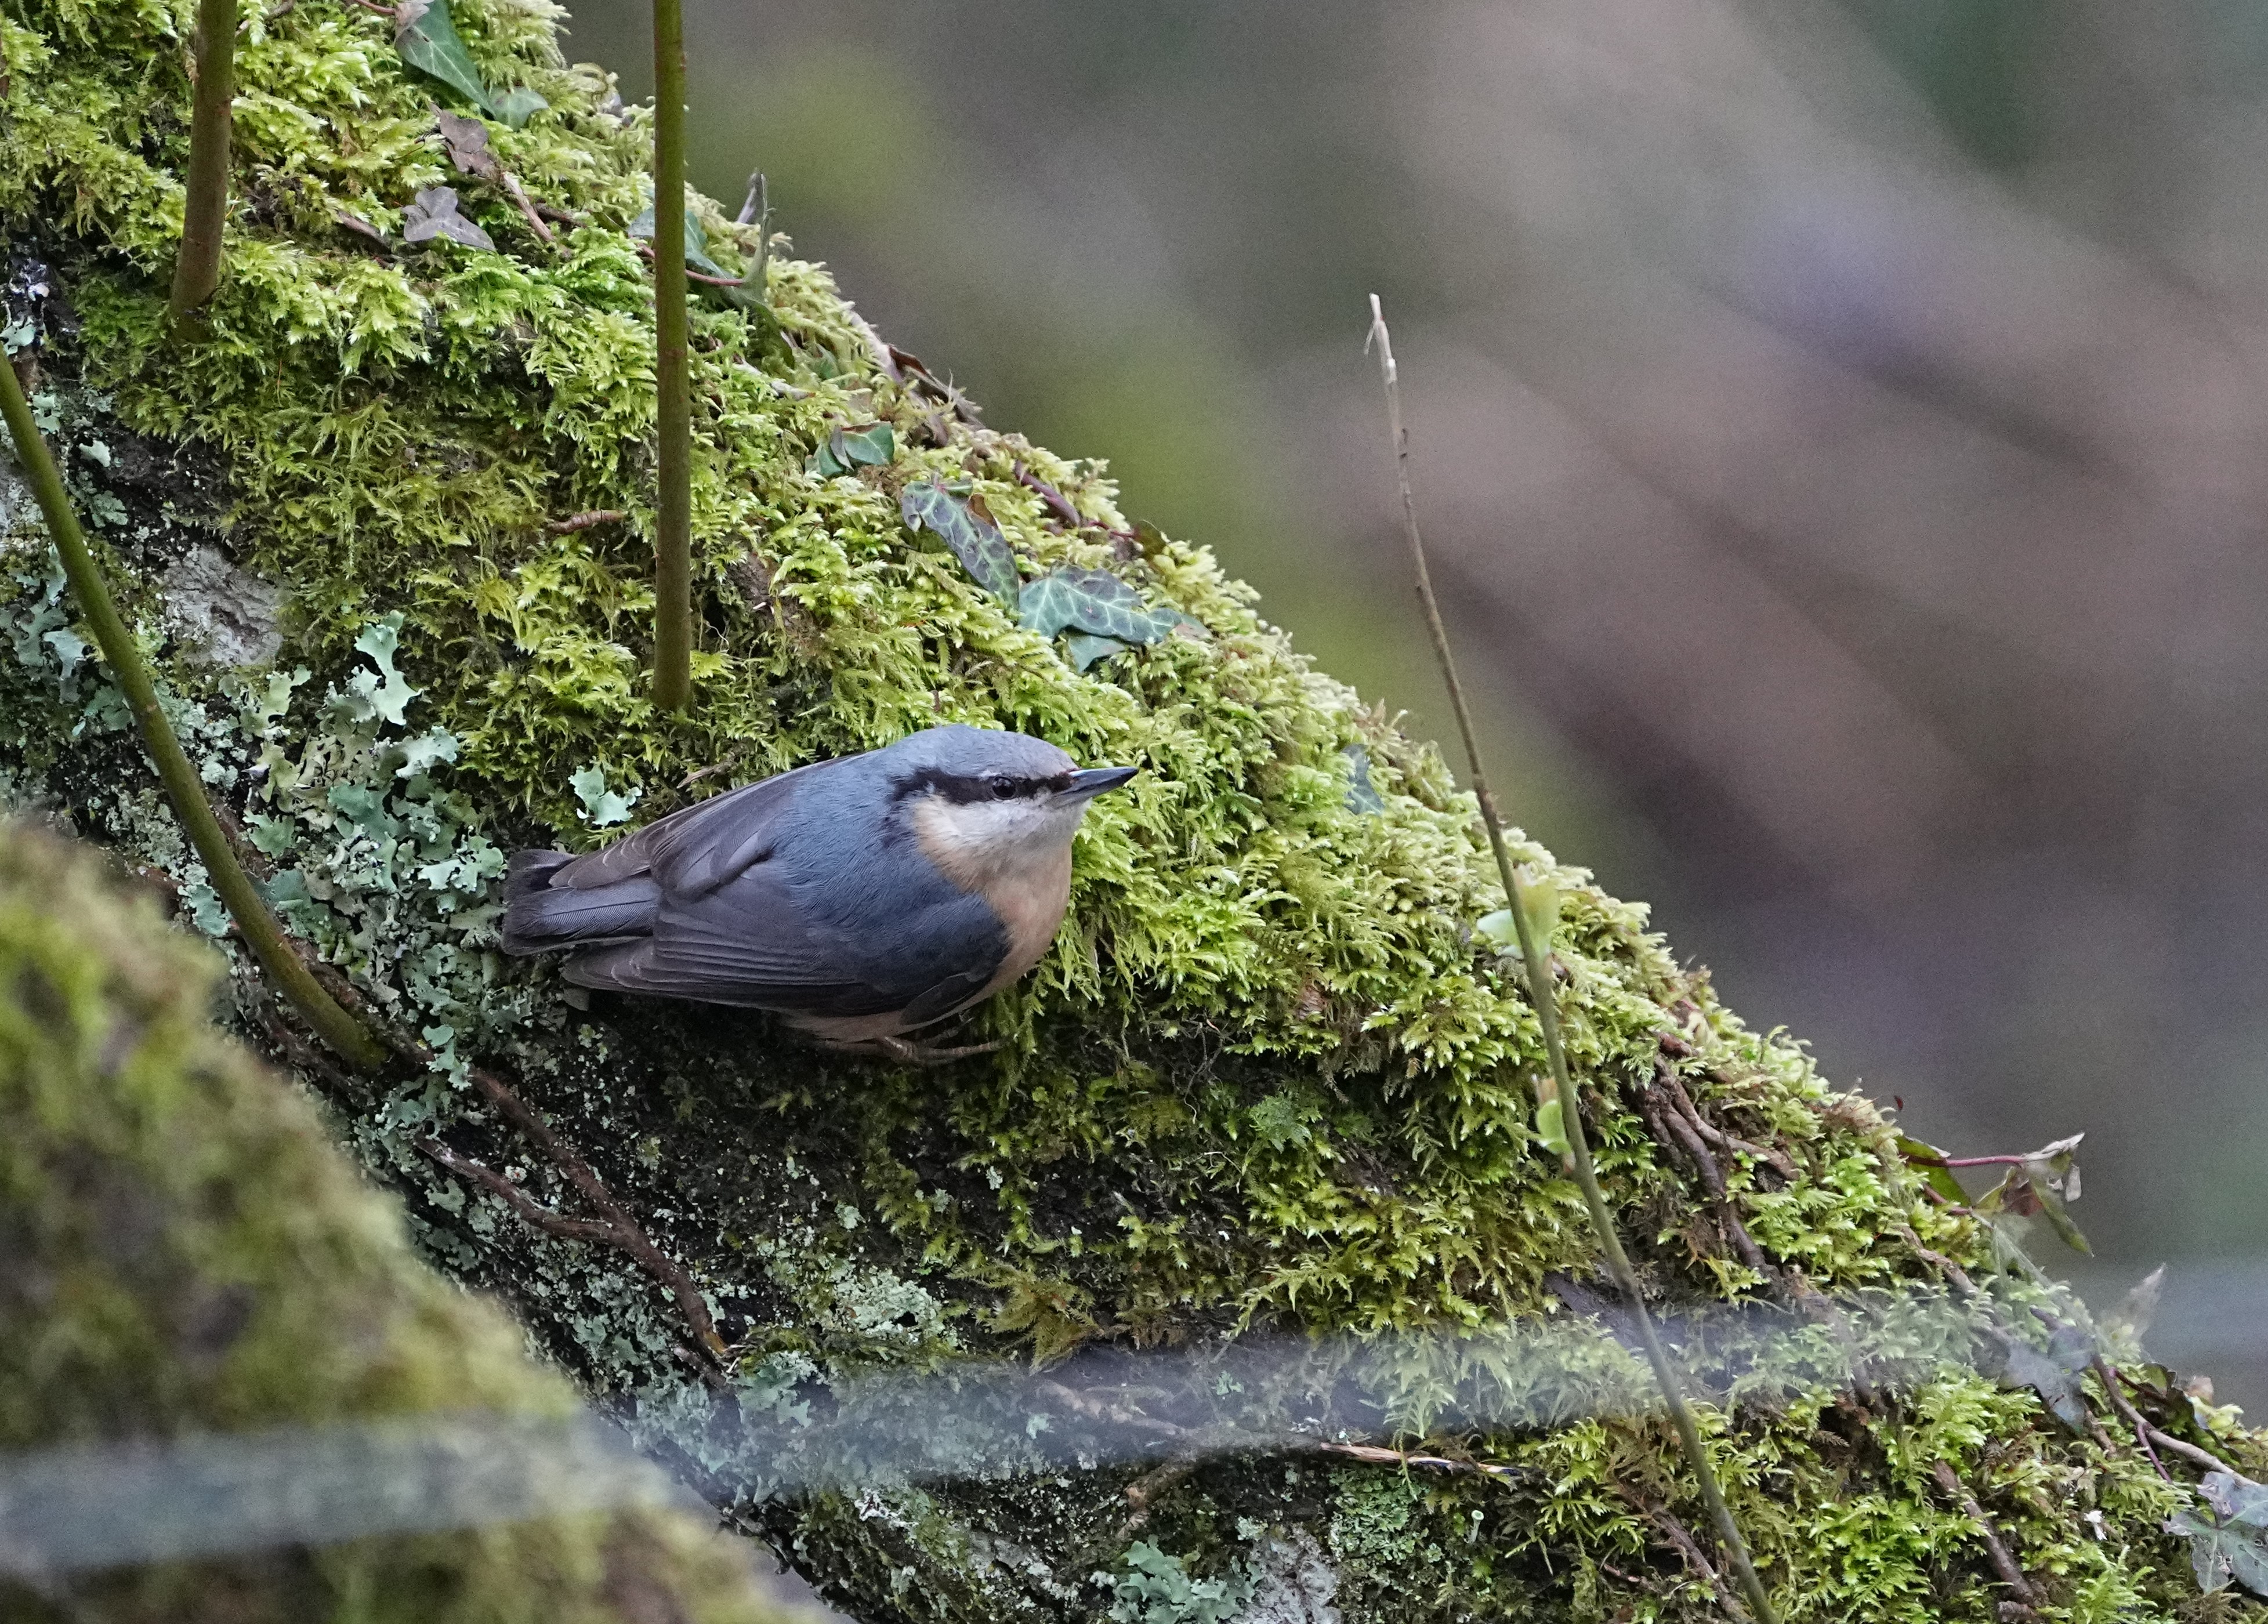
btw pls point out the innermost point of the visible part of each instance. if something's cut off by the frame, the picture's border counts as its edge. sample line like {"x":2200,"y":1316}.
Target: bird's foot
{"x":923,"y":1055}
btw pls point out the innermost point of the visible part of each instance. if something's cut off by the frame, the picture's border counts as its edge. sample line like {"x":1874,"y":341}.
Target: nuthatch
{"x":861,"y":897}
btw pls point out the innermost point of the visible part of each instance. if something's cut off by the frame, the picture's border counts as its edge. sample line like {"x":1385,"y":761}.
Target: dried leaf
{"x":427,"y":38}
{"x":975,"y":541}
{"x":467,"y":141}
{"x":435,"y":214}
{"x":2227,"y":1533}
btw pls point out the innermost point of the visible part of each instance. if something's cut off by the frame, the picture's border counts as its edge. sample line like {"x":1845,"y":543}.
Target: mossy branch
{"x":1542,"y":995}
{"x":196,"y":269}
{"x":261,"y":931}
{"x":673,"y":539}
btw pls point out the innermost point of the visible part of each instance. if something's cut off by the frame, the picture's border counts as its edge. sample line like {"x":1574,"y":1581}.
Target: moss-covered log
{"x":387,"y":522}
{"x":181,"y":1251}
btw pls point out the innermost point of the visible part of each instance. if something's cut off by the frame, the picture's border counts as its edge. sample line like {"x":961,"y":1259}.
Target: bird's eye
{"x":1002,"y":789}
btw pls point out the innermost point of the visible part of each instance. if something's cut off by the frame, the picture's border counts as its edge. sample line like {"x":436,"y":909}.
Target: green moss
{"x":181,"y":1251}
{"x":1268,"y":1076}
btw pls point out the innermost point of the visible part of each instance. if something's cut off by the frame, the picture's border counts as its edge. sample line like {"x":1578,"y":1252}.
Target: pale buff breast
{"x":1018,"y":859}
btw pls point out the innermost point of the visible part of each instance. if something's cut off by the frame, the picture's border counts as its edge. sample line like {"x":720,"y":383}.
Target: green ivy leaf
{"x":873,"y":446}
{"x":974,"y":540}
{"x":2229,"y":1539}
{"x":2055,"y":1373}
{"x":1095,"y":602}
{"x":427,"y":39}
{"x":697,"y":242}
{"x":1085,"y":649}
{"x":602,"y":808}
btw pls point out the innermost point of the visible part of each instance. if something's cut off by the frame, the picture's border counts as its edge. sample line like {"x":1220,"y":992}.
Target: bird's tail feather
{"x":538,"y":918}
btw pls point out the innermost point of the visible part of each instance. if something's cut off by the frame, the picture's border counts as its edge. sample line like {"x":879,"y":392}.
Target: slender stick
{"x":673,"y":541}
{"x":262,"y":932}
{"x":196,"y":270}
{"x":1545,"y":1002}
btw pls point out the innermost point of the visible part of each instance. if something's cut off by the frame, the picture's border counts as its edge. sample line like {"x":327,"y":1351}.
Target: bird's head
{"x":981,"y":803}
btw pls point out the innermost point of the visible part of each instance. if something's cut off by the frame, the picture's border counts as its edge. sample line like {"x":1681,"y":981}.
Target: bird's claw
{"x":922,"y":1054}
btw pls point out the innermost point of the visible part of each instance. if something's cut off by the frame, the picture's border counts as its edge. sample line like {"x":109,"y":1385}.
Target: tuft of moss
{"x":1268,"y":1078}
{"x":182,"y":1251}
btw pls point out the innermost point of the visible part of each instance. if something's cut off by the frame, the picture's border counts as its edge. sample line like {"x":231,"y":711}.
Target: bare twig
{"x":1545,"y":1000}
{"x":184,"y":788}
{"x":585,"y":520}
{"x":615,"y":1227}
{"x":1938,"y":1260}
{"x":1059,"y":503}
{"x":2003,"y":1563}
{"x":2190,"y":1452}
{"x":1777,"y":1160}
{"x":534,"y":215}
{"x":672,"y":540}
{"x":1689,"y":1548}
{"x":2133,"y":1417}
{"x":196,"y":268}
{"x":1377,"y":1455}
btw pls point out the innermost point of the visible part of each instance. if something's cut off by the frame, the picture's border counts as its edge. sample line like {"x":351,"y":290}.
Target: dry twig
{"x":2003,"y":1563}
{"x":1543,"y":998}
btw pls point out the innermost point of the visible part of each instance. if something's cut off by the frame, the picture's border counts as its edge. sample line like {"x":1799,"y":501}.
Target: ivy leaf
{"x":515,"y":107}
{"x":1362,"y":795}
{"x":974,"y":540}
{"x":1934,"y":1173}
{"x":1085,"y":649}
{"x":435,"y":214}
{"x":601,"y":807}
{"x":1095,"y":602}
{"x":2229,"y":1539}
{"x":426,"y":36}
{"x":2054,"y":1373}
{"x":466,"y":142}
{"x":697,"y":242}
{"x":1543,"y":899}
{"x":873,"y":446}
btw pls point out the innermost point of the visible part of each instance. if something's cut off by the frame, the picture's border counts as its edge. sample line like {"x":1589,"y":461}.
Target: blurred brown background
{"x":1843,"y":431}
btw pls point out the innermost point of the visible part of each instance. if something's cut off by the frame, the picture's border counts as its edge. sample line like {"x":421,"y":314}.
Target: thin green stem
{"x":672,"y":540}
{"x":262,"y":932}
{"x":1546,"y":1003}
{"x":196,"y":270}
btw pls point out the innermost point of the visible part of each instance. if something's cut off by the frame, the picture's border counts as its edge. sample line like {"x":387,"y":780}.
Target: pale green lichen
{"x":1267,"y":1077}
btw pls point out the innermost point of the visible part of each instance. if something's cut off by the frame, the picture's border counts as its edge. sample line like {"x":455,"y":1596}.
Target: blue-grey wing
{"x":749,"y":943}
{"x":693,"y":851}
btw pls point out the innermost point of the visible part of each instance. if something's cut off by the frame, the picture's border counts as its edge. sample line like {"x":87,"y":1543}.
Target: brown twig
{"x":1378,"y":1455}
{"x":2003,"y":1563}
{"x":1680,"y":1130}
{"x":534,"y":217}
{"x":2191,"y":1453}
{"x":1056,"y":500}
{"x":2133,"y":1417}
{"x":585,"y":521}
{"x":1942,"y":1264}
{"x":1543,"y":997}
{"x":1687,"y":1546}
{"x":1777,"y":1160}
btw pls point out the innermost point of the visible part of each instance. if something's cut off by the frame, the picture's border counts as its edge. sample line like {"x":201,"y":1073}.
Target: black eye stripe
{"x":967,"y":791}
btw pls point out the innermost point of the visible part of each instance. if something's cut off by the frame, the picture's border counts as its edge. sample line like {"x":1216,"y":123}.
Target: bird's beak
{"x":1090,"y":781}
